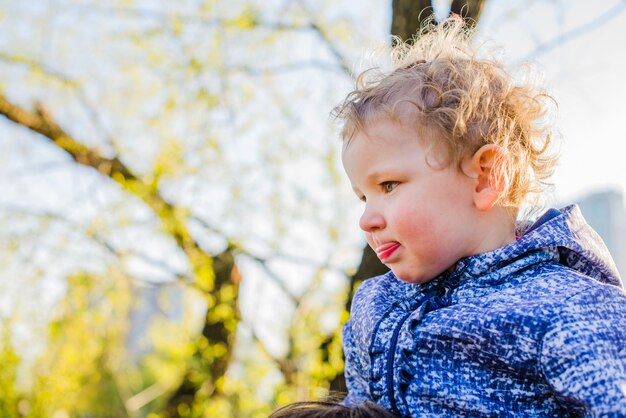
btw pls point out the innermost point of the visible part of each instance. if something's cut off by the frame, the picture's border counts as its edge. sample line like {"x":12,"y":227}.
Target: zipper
{"x":396,"y":332}
{"x":390,"y":361}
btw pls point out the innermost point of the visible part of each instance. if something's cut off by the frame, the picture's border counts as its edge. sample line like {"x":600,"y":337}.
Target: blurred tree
{"x":86,"y":349}
{"x":409,"y":15}
{"x":188,"y":122}
{"x":222,"y":314}
{"x":10,"y":360}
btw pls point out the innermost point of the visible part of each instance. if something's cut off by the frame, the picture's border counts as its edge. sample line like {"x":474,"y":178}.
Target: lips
{"x":385,"y":251}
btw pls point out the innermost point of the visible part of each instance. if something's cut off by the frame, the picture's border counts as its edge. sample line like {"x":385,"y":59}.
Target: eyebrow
{"x":377,"y":175}
{"x":373,"y":177}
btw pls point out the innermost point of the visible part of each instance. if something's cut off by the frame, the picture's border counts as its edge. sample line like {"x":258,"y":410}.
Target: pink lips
{"x":386,"y":250}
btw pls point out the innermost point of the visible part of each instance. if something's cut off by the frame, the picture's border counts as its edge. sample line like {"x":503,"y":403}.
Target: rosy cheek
{"x":412,"y":222}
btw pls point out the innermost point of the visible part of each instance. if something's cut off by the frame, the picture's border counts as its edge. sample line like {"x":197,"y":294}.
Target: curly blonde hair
{"x":460,"y":101}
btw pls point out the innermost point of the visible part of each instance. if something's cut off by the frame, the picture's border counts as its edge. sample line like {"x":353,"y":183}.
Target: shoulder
{"x":582,"y":299}
{"x":583,"y":311}
{"x":561,"y":286}
{"x":547,"y":298}
{"x":583,"y":354}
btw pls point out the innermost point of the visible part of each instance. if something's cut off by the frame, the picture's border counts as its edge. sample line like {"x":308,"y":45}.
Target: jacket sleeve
{"x":355,"y":371}
{"x":583,"y":353}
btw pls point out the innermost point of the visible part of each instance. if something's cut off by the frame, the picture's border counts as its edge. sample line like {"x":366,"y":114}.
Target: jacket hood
{"x":579,"y":246}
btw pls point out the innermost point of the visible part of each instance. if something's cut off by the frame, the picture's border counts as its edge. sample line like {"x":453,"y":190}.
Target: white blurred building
{"x":606,"y":213}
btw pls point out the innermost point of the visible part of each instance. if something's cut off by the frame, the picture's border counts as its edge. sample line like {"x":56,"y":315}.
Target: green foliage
{"x":10,"y":361}
{"x":76,"y":375}
{"x":206,"y":127}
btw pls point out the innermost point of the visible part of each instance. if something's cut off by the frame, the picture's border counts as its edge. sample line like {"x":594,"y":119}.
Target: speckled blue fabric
{"x":535,"y":328}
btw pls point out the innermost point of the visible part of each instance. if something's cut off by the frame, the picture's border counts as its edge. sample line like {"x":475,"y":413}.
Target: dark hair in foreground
{"x":331,"y":409}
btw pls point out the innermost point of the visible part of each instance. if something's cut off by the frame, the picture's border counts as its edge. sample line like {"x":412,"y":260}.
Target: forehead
{"x":364,"y":116}
{"x":379,"y":140}
{"x":384,"y":134}
{"x":390,"y":128}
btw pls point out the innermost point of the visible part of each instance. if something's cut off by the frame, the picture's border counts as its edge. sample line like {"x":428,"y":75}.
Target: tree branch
{"x":469,"y":10}
{"x":408,"y":16}
{"x":569,"y":36}
{"x":181,"y":278}
{"x":42,"y":122}
{"x":39,"y":67}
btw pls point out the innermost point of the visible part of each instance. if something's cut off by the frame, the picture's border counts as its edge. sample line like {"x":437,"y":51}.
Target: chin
{"x":410,"y":278}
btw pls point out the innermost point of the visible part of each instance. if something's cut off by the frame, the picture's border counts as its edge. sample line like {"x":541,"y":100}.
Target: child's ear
{"x":485,"y":167}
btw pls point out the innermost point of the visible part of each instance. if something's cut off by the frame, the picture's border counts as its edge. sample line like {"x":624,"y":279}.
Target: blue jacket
{"x":535,"y":328}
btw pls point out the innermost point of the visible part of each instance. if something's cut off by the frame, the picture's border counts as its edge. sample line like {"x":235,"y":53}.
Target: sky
{"x":581,"y":53}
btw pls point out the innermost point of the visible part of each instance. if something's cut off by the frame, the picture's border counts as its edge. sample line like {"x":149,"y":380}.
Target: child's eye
{"x":388,"y":186}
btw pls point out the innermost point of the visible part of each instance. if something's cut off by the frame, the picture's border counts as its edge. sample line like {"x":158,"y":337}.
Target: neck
{"x":498,"y":229}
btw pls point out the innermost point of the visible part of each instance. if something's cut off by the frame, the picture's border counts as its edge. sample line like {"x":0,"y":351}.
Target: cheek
{"x":426,"y":225}
{"x":412,"y":222}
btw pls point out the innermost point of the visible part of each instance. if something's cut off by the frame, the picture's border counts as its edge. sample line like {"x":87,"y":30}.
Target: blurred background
{"x":177,"y":238}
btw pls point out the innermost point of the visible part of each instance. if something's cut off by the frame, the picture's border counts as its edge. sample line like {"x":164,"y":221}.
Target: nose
{"x":371,"y":219}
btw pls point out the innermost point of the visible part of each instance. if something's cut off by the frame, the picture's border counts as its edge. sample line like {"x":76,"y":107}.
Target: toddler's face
{"x":417,"y":218}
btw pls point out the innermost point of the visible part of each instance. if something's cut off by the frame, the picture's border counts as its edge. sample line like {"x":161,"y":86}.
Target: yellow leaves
{"x":214,"y":351}
{"x":285,"y":396}
{"x":202,"y":266}
{"x":10,"y":361}
{"x":341,"y":30}
{"x":170,"y":104}
{"x":119,"y":178}
{"x":218,"y":407}
{"x":75,"y":374}
{"x":209,"y":100}
{"x":173,"y":340}
{"x":170,"y":158}
{"x":332,"y":167}
{"x":228,"y":293}
{"x":202,"y":343}
{"x":124,"y":3}
{"x":204,"y":277}
{"x":319,"y":369}
{"x":221,"y":313}
{"x":207,"y":6}
{"x":177,"y":25}
{"x":345,"y":315}
{"x":214,"y":145}
{"x":210,"y":299}
{"x":333,"y":233}
{"x":335,"y":358}
{"x":183,"y":410}
{"x":245,"y":21}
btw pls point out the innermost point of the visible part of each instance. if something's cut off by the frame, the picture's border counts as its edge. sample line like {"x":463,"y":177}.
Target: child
{"x":473,"y":319}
